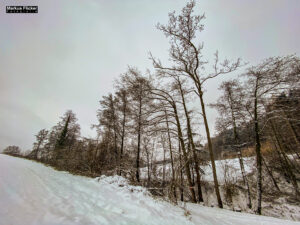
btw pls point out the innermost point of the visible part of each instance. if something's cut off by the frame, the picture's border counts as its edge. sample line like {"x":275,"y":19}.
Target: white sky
{"x":67,"y":55}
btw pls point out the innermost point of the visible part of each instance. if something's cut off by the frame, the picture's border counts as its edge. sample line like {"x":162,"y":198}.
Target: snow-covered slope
{"x":31,"y":193}
{"x":233,"y":167}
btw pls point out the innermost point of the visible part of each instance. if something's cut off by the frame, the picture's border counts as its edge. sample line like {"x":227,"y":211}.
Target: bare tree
{"x":108,"y":118}
{"x":12,"y":150}
{"x":179,"y":85}
{"x":187,"y":61}
{"x":123,"y":109}
{"x":138,"y":87}
{"x":171,"y":105}
{"x":273,"y":120}
{"x":40,"y":140}
{"x":148,"y":150}
{"x":269,"y":77}
{"x":230,"y":108}
{"x":170,"y":151}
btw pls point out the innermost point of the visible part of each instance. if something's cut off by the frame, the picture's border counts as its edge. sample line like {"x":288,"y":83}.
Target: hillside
{"x":32,"y":193}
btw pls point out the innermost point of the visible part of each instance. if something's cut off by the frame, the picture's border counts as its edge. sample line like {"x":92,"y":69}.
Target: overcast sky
{"x":68,"y":55}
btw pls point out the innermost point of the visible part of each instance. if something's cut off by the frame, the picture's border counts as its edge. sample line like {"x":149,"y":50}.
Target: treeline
{"x":12,"y":150}
{"x":152,"y":117}
{"x":282,"y":109}
{"x":262,"y":114}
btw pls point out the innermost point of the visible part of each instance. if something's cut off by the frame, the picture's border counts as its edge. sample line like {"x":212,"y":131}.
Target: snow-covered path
{"x":31,"y":193}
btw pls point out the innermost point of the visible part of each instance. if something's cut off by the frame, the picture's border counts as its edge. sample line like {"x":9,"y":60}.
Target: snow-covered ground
{"x":278,"y":205}
{"x":33,"y":194}
{"x":232,"y":165}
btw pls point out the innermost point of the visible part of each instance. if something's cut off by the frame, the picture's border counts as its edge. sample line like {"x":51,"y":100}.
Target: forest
{"x":148,"y":129}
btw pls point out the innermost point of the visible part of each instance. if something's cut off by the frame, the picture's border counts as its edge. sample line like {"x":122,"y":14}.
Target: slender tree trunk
{"x":286,"y":161}
{"x":171,"y":155}
{"x":211,"y":154}
{"x":258,"y":155}
{"x":270,"y":174}
{"x":123,"y":137}
{"x":191,"y":140}
{"x":246,"y":183}
{"x":148,"y":167}
{"x":164,"y":162}
{"x":116,"y":151}
{"x":185,"y":156}
{"x":181,"y":174}
{"x":193,"y":173}
{"x":236,"y":139}
{"x":139,"y":143}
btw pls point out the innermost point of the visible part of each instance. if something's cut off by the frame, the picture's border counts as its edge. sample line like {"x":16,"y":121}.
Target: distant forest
{"x":152,"y":117}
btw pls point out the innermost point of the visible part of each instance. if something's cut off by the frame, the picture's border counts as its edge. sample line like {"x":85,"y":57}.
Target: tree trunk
{"x":211,"y":154}
{"x":258,"y":155}
{"x":116,"y":151}
{"x":286,"y":161}
{"x":246,"y":183}
{"x":191,"y":140}
{"x":148,"y":167}
{"x":139,"y":143}
{"x":185,"y":157}
{"x":164,"y":162}
{"x":123,"y":137}
{"x":236,"y":139}
{"x":171,"y":156}
{"x":270,"y":174}
{"x":181,"y":174}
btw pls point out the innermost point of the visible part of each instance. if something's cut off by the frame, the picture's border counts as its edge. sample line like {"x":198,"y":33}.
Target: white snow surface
{"x":233,"y":165}
{"x":33,"y":194}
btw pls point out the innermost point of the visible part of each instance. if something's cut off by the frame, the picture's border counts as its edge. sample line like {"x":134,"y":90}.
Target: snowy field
{"x":33,"y":194}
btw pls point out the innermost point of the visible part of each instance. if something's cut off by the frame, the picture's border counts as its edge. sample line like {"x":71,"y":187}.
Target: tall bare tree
{"x":171,"y":104}
{"x":109,"y":118}
{"x":183,"y":91}
{"x":187,"y":60}
{"x":138,"y":87}
{"x":271,"y":76}
{"x":230,"y":108}
{"x":124,"y":111}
